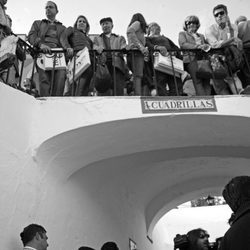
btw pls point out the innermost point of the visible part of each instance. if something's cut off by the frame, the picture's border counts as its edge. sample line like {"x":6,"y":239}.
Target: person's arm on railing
{"x":184,"y":44}
{"x":97,"y":45}
{"x":33,"y":36}
{"x":215,"y":43}
{"x":152,"y":47}
{"x":133,"y":39}
{"x":122,"y":43}
{"x":64,"y":39}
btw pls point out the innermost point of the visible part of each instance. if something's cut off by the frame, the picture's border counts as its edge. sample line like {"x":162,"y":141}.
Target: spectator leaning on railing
{"x":114,"y":60}
{"x":136,"y":40}
{"x":237,"y":195}
{"x":44,"y":35}
{"x":156,"y":41}
{"x":77,"y":38}
{"x":191,"y":39}
{"x":5,"y":21}
{"x":219,"y":35}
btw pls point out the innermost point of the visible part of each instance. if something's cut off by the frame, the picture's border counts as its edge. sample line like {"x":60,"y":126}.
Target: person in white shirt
{"x":34,"y":237}
{"x":221,"y":34}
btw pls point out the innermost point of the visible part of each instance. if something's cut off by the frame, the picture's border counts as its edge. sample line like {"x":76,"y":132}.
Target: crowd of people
{"x":131,"y":64}
{"x":237,"y":195}
{"x":34,"y":237}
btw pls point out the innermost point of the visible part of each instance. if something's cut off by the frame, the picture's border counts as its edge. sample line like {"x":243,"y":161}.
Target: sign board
{"x":178,"y":104}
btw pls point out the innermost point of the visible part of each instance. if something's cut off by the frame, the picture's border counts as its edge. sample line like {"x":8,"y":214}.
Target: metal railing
{"x":95,"y":59}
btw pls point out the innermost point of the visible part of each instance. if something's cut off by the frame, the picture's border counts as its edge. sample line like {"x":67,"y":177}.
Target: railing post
{"x":73,"y":91}
{"x":21,"y":72}
{"x":53,"y":74}
{"x":114,"y":74}
{"x":175,"y":81}
{"x":151,"y":56}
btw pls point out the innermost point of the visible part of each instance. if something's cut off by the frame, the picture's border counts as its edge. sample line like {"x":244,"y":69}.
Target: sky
{"x":213,"y":219}
{"x":169,"y":14}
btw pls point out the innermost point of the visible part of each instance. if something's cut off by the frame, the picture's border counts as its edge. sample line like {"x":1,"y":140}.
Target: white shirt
{"x":215,"y":35}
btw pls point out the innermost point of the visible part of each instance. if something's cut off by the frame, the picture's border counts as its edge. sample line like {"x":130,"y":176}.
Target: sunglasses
{"x":222,"y":13}
{"x":191,"y":22}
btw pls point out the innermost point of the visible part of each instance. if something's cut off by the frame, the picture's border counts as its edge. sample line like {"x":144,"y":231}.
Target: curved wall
{"x":98,"y":169}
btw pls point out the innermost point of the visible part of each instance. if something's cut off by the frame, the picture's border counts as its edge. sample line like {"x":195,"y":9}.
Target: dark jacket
{"x":151,"y":42}
{"x":77,"y":39}
{"x":238,"y":235}
{"x":187,"y":41}
{"x":116,"y":42}
{"x":39,"y":29}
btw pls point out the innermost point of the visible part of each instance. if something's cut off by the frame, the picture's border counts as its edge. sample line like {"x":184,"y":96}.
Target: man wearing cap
{"x":44,"y":35}
{"x":114,"y":60}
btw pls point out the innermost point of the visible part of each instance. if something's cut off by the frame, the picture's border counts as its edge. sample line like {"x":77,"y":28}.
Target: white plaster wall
{"x":94,"y":202}
{"x":75,"y":211}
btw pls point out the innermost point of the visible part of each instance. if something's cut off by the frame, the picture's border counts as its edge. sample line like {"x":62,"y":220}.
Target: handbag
{"x":103,"y":79}
{"x":8,"y":52}
{"x":204,"y":69}
{"x":82,"y":62}
{"x":164,"y":64}
{"x":52,"y":61}
{"x":218,"y":68}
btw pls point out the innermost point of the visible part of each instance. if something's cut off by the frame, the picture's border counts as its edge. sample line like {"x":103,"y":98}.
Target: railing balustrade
{"x":95,"y":58}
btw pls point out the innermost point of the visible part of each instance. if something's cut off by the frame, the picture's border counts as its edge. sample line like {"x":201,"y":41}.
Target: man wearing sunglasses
{"x":222,"y":34}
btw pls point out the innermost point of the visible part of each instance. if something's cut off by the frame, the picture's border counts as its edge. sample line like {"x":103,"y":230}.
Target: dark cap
{"x":106,"y":19}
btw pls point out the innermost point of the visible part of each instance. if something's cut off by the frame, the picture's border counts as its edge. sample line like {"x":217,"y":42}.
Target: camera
{"x":181,"y":241}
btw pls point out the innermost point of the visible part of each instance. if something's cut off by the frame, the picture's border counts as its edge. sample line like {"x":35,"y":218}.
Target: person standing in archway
{"x":237,"y":195}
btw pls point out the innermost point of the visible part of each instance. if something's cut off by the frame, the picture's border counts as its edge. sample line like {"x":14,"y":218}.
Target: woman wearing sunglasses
{"x":191,"y":39}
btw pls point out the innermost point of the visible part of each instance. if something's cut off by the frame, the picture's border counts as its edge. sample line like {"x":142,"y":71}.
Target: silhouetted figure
{"x":237,"y":195}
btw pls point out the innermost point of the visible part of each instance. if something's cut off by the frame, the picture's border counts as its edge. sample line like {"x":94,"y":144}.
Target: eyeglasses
{"x":222,"y":13}
{"x":191,"y":22}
